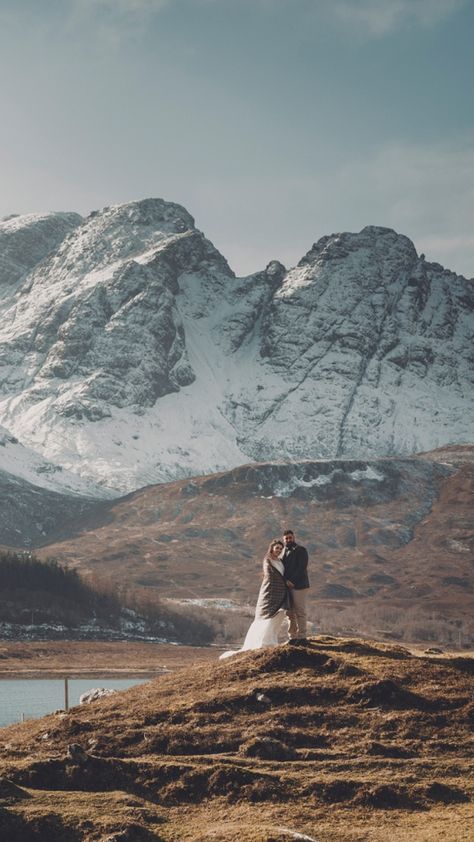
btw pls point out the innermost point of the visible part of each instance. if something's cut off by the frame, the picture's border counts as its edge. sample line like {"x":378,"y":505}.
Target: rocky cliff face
{"x":373,"y":350}
{"x":131,"y":354}
{"x":26,"y":240}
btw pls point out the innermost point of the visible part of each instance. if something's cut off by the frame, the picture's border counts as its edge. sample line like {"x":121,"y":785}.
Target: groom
{"x":295,"y":563}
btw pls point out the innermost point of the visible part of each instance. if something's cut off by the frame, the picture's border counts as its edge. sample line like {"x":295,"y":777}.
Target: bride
{"x":272,"y":600}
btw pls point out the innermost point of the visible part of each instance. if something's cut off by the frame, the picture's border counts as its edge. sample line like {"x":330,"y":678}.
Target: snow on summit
{"x":131,"y":354}
{"x":26,"y":240}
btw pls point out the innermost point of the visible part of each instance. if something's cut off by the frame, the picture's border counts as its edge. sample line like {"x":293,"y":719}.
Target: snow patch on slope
{"x":286,"y":489}
{"x":23,"y":463}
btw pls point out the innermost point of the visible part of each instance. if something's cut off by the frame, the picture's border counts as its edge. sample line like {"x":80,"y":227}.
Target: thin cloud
{"x":373,"y":17}
{"x":113,"y":21}
{"x":450,"y":251}
{"x":423,"y":191}
{"x":380,"y":17}
{"x":123,"y":7}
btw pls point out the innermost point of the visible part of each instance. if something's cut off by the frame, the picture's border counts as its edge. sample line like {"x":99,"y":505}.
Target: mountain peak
{"x":379,"y":231}
{"x":168,"y":217}
{"x":372,"y":237}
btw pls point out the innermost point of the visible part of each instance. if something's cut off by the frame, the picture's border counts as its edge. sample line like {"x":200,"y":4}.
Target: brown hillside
{"x":377,"y":549}
{"x":336,"y":740}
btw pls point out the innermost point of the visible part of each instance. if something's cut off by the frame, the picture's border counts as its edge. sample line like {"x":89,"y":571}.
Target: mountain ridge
{"x":131,"y":353}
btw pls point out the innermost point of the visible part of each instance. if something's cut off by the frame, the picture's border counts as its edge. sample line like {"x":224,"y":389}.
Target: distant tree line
{"x":35,"y":592}
{"x":46,"y":591}
{"x":22,"y":571}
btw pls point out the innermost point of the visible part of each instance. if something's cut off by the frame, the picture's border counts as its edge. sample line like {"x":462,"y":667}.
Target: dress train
{"x":262,"y":632}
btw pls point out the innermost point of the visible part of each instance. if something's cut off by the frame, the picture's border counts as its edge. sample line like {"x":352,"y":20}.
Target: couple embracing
{"x":284,"y":589}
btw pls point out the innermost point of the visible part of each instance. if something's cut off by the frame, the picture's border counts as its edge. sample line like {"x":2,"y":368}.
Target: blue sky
{"x":273,"y":121}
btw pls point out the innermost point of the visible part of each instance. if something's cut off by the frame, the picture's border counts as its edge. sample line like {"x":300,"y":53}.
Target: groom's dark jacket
{"x":295,"y":563}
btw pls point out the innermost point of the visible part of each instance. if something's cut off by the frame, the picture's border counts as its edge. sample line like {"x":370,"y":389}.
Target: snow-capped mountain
{"x":131,"y":354}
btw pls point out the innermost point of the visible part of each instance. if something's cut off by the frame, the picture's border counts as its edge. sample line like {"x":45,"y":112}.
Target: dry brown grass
{"x":336,"y":739}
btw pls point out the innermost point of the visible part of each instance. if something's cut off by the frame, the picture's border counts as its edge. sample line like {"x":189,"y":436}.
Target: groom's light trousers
{"x":297,"y":620}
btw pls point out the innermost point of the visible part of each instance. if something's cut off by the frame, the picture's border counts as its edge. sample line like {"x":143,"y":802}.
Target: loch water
{"x":28,"y":698}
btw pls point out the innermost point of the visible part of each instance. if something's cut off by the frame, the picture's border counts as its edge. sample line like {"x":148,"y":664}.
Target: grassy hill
{"x":334,"y":740}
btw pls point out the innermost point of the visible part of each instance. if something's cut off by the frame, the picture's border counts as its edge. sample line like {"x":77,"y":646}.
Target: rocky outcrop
{"x":95,"y":693}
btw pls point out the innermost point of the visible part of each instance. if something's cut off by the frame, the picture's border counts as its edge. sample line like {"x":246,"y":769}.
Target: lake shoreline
{"x":96,"y":659}
{"x":74,"y":673}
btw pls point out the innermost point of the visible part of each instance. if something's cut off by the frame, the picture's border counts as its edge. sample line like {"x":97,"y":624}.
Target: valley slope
{"x":390,"y":540}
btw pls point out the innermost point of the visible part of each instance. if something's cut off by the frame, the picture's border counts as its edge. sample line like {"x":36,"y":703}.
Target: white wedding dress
{"x":263,"y":631}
